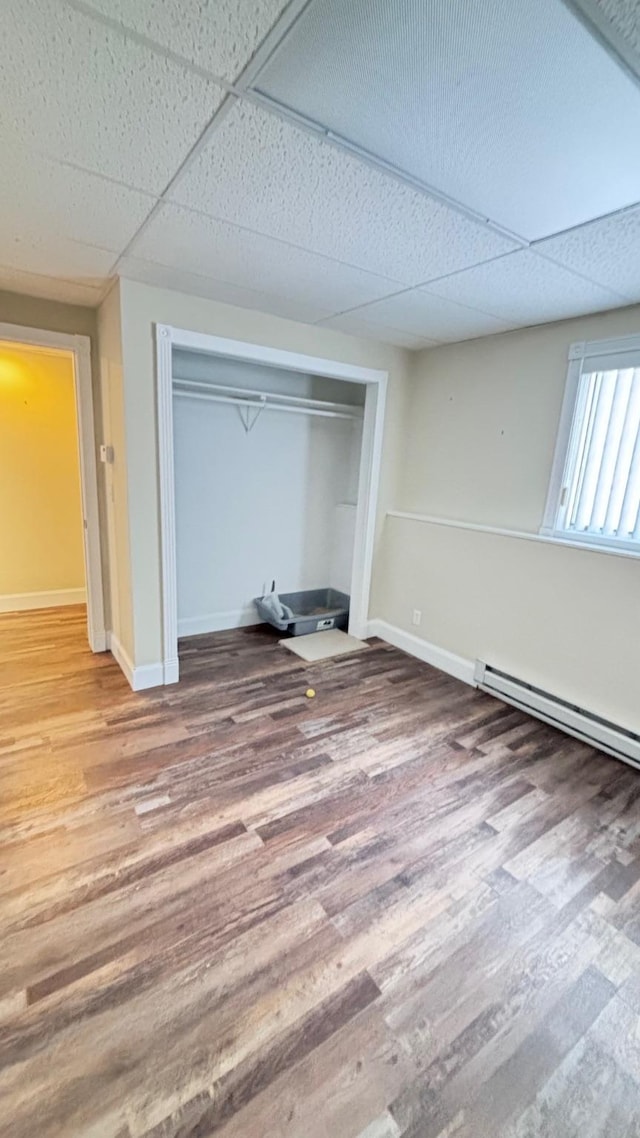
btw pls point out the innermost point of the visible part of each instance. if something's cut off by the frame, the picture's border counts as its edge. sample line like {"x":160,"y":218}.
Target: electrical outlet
{"x":417,"y":616}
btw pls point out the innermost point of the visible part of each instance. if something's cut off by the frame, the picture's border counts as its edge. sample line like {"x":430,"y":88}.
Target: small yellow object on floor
{"x":310,"y":693}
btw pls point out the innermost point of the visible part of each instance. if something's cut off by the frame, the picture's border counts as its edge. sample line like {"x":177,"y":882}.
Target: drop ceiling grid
{"x":219,"y":39}
{"x":232,"y":161}
{"x":421,"y":313}
{"x":94,"y":197}
{"x":612,"y":243}
{"x":86,"y":215}
{"x":402,"y":81}
{"x":184,"y":239}
{"x":383,"y":333}
{"x":337,"y":238}
{"x":526,"y":288}
{"x":227,"y":187}
{"x":225,"y":292}
{"x":130,"y":115}
{"x":292,"y":185}
{"x":50,"y":288}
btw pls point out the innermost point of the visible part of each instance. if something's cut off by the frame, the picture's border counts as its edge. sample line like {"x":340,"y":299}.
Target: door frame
{"x":167,"y":338}
{"x":80,"y":349}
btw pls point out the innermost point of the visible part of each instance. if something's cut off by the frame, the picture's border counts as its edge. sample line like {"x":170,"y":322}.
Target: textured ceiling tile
{"x":79,"y":91}
{"x":199,"y":244}
{"x":422,"y":314}
{"x":261,"y":172}
{"x":50,"y":288}
{"x":194,"y":284}
{"x":219,"y":36}
{"x":623,"y":16}
{"x":51,"y":213}
{"x":607,"y":251}
{"x":54,"y":256}
{"x":500,"y":105}
{"x":525,"y":289}
{"x":353,"y":325}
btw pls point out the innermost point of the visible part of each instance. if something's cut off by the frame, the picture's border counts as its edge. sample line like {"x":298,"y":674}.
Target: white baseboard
{"x":457,"y":666}
{"x":171,"y":671}
{"x":217,"y":622}
{"x":55,"y":598}
{"x":100,"y":641}
{"x":139,"y":678}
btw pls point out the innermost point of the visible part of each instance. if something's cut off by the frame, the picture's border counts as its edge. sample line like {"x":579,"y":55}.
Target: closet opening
{"x":269,"y":464}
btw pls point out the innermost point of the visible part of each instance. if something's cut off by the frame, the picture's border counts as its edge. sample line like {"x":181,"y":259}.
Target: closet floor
{"x":400,"y":908}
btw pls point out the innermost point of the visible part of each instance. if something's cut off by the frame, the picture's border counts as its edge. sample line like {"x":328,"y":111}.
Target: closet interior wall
{"x":262,"y":493}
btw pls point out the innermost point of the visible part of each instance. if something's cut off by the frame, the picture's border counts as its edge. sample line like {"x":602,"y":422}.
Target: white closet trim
{"x":375,"y":383}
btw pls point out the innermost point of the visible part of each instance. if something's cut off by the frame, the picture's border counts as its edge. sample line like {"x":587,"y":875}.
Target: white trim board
{"x":375,"y":381}
{"x":53,"y":598}
{"x":521,"y":535}
{"x":249,"y":352}
{"x":80,"y":349}
{"x":141,"y":678}
{"x":440,"y":658}
{"x":217,"y":622}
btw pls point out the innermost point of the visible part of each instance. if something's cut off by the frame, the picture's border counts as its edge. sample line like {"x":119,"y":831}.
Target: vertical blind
{"x":601,"y":486}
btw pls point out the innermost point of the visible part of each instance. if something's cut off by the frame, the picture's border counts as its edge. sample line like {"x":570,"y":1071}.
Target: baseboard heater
{"x":565,"y":716}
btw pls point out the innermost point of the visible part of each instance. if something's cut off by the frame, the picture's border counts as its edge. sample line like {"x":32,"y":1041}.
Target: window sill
{"x":598,"y":545}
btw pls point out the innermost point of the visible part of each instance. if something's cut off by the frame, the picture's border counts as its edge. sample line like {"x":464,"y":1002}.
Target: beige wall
{"x":141,"y":306}
{"x":32,"y":312}
{"x":479,"y":436}
{"x":40,"y":502}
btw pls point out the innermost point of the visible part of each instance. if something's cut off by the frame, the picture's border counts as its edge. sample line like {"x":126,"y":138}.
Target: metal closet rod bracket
{"x":250,"y":414}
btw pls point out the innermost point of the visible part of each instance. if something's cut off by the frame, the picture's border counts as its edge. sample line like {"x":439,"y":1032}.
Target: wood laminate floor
{"x":401,"y":908}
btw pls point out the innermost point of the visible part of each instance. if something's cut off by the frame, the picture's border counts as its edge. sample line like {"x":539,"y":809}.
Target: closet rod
{"x":224,"y":389}
{"x":260,"y":404}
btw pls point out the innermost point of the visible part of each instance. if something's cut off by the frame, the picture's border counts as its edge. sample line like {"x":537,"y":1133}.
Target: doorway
{"x":50,"y":531}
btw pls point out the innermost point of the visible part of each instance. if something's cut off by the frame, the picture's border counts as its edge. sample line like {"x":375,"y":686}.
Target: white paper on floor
{"x":323,"y":645}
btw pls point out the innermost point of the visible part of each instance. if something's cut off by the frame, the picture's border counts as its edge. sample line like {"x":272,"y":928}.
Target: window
{"x":594,"y":496}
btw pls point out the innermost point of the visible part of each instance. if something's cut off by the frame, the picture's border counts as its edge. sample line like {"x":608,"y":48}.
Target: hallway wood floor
{"x":400,"y":909}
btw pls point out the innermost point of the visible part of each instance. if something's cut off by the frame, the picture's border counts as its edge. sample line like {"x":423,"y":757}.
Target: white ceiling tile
{"x":194,"y":284}
{"x":220,"y":37}
{"x":199,"y":244}
{"x":502,"y":106}
{"x":266,"y":174}
{"x":353,"y":324}
{"x":422,"y":314}
{"x":622,"y":16}
{"x":525,"y":289}
{"x":50,"y":288}
{"x":62,"y":221}
{"x":77,"y":90}
{"x":54,"y":256}
{"x":607,"y":251}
